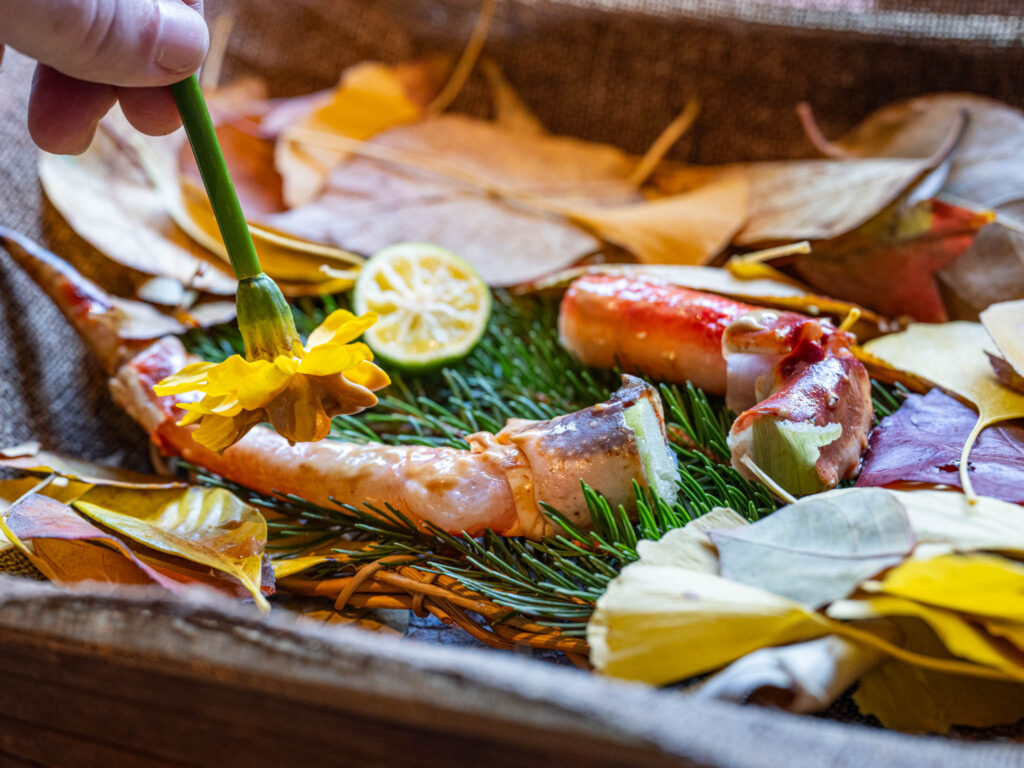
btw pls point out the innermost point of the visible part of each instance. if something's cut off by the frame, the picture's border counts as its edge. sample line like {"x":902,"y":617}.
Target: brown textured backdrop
{"x":608,"y":70}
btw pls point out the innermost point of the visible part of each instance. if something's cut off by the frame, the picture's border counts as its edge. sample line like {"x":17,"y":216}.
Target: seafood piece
{"x":663,"y":331}
{"x":499,"y":483}
{"x":808,"y":406}
{"x":805,"y":399}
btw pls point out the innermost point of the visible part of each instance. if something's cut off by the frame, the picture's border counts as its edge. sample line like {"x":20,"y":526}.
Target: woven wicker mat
{"x":608,"y":70}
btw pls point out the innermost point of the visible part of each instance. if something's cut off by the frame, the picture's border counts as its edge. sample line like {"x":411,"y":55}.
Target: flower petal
{"x":189,"y":379}
{"x":330,"y":358}
{"x":368,"y":375}
{"x":340,"y":327}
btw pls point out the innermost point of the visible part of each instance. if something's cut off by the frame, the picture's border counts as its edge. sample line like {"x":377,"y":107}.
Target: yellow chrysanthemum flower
{"x":297,"y":388}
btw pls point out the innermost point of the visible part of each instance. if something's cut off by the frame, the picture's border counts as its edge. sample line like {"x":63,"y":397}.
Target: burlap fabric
{"x":608,"y":70}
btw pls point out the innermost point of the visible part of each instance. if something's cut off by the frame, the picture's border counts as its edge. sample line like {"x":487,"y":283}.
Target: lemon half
{"x":432,"y":306}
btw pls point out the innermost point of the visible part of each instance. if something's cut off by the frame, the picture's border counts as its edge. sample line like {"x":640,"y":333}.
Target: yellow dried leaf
{"x":659,"y":623}
{"x":911,"y":698}
{"x":975,"y":584}
{"x":370,"y":97}
{"x":293,"y":565}
{"x":206,"y":526}
{"x":690,"y":228}
{"x":951,"y":356}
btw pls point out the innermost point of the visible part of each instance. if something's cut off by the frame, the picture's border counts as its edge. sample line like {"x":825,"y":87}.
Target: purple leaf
{"x":921,"y":443}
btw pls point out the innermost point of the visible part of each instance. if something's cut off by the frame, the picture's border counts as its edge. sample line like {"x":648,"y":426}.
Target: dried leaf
{"x":910,"y":698}
{"x":509,"y":109}
{"x":123,"y":196}
{"x":690,"y":228}
{"x":107,"y":199}
{"x":206,"y":526}
{"x":659,"y":624}
{"x":906,"y":246}
{"x":833,"y":544}
{"x":922,"y":442}
{"x":668,"y":616}
{"x":68,"y":549}
{"x":821,"y":199}
{"x":952,"y":356}
{"x":974,"y":584}
{"x":985,"y":171}
{"x":45,"y":462}
{"x":435,"y":181}
{"x":290,"y":566}
{"x":1005,"y":324}
{"x":804,"y":677}
{"x":370,"y":98}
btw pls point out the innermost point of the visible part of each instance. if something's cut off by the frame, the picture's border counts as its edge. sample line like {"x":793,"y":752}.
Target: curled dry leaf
{"x":680,"y":229}
{"x":397,"y":190}
{"x":922,"y":442}
{"x":669,"y":616}
{"x":951,"y":356}
{"x":123,"y":196}
{"x":804,"y":677}
{"x":1005,"y":324}
{"x":68,"y":549}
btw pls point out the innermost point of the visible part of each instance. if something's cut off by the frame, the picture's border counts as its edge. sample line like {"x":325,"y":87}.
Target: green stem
{"x":203,"y":138}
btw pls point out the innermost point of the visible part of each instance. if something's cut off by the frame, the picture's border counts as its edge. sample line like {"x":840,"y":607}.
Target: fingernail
{"x":182,"y":38}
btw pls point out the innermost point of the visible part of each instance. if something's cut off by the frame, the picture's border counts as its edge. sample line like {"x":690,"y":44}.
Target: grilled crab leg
{"x":805,"y":399}
{"x":499,"y":483}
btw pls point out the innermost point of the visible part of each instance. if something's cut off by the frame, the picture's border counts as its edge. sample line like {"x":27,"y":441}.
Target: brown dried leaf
{"x":986,"y":171}
{"x":405,"y":193}
{"x":106,"y":198}
{"x":369,"y":98}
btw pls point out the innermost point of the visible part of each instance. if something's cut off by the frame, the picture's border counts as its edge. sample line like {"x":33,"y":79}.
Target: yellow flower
{"x":298,"y":391}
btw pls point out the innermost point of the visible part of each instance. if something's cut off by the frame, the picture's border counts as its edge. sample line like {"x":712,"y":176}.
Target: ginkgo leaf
{"x":1005,"y":324}
{"x":833,"y":544}
{"x":369,"y":98}
{"x":87,"y":472}
{"x":974,"y":584}
{"x":922,"y":441}
{"x":951,"y":356}
{"x":909,"y":698}
{"x":659,"y":623}
{"x":290,"y":566}
{"x":944,"y":521}
{"x":690,"y":228}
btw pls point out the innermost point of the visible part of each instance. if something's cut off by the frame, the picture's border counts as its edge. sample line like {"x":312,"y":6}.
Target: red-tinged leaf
{"x":68,"y":549}
{"x":921,"y":443}
{"x":890,"y":263}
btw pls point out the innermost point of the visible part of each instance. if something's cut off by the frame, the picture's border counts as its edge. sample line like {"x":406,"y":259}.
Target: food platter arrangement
{"x":754,"y":428}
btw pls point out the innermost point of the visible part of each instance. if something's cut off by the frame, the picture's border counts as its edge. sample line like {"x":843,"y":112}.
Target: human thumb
{"x":121,"y":42}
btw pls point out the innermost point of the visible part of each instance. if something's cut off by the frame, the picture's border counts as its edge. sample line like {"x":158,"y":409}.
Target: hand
{"x":93,"y":53}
